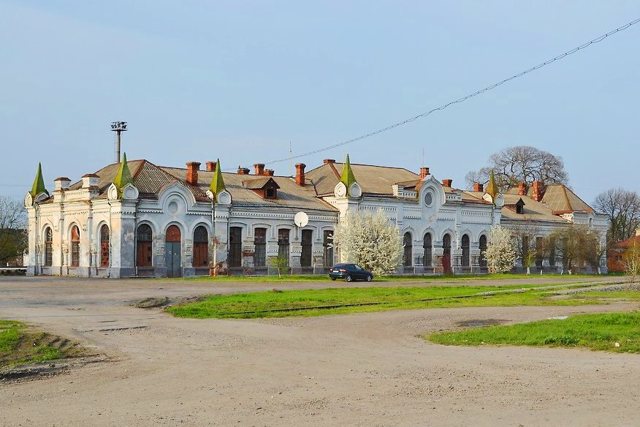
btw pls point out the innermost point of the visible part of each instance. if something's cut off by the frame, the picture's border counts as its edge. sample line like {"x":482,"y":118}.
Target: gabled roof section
{"x":38,"y":183}
{"x":532,"y":211}
{"x":374,"y":180}
{"x":562,"y":199}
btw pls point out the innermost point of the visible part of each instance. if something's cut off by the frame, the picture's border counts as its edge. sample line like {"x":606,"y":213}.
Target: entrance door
{"x":172,"y":252}
{"x":446,"y":253}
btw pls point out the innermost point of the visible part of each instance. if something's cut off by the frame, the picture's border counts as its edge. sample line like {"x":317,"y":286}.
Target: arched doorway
{"x":466,"y":246}
{"x":200,"y":247}
{"x":446,"y":253}
{"x":75,"y":246}
{"x":172,"y":251}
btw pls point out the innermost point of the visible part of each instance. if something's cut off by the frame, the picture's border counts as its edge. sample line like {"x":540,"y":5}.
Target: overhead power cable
{"x":464,"y":98}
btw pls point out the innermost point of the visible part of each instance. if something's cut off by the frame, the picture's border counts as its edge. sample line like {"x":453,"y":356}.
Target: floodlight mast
{"x":118,"y":128}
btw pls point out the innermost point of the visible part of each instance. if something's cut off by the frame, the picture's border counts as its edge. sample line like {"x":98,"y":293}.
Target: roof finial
{"x":217,"y":183}
{"x":347,"y":177}
{"x":123,"y":177}
{"x":492,"y":188}
{"x":38,"y":183}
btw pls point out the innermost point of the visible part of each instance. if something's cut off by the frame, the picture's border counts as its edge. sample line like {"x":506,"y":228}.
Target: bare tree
{"x":526,"y":245}
{"x":623,"y":209}
{"x":521,"y":164}
{"x":12,"y":233}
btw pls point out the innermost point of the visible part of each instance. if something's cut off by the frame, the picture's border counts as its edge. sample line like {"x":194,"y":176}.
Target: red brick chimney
{"x":211,"y":166}
{"x":243,"y":171}
{"x":537,"y":190}
{"x":192,"y":172}
{"x":478,"y":187}
{"x":522,"y":189}
{"x":328,"y":161}
{"x":424,"y":172}
{"x":268,"y":172}
{"x":447,"y":182}
{"x":300,"y":173}
{"x":258,"y":168}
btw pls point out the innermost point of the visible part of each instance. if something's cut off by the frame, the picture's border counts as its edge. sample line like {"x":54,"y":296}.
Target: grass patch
{"x":353,"y":300}
{"x":384,"y":279}
{"x":616,"y":332}
{"x":19,"y":345}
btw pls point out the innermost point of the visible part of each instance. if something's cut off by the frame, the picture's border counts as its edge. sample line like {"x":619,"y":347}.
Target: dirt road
{"x":364,"y":369}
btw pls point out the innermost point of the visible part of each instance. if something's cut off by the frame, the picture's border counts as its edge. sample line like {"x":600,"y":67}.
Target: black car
{"x":350,"y":272}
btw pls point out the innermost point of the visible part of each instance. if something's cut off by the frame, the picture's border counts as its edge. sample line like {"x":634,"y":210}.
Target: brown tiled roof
{"x":376,"y":180}
{"x":562,"y":199}
{"x":533,"y":211}
{"x":257,"y":183}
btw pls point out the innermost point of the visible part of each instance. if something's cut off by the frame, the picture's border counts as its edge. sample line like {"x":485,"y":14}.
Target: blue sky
{"x":242,"y":80}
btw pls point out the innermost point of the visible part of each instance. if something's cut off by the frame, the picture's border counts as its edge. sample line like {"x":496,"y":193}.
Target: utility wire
{"x":464,"y":98}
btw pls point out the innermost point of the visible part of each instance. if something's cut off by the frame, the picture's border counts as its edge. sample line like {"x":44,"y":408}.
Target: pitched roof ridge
{"x":379,"y":166}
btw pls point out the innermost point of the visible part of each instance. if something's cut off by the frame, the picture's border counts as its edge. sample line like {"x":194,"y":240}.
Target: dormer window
{"x":265,"y":187}
{"x":270,"y":193}
{"x":520,"y":207}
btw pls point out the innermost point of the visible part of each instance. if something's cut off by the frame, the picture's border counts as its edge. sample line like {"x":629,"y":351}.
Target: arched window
{"x":48,"y":247}
{"x":428,"y":248}
{"x":144,"y":238}
{"x":260,"y":243}
{"x":75,"y":246}
{"x":200,"y":247}
{"x":104,"y":246}
{"x":408,"y":249}
{"x":483,"y":251}
{"x":465,"y":250}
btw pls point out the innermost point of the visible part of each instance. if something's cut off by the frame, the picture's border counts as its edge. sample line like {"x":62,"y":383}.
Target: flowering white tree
{"x":370,"y":240}
{"x":500,"y":253}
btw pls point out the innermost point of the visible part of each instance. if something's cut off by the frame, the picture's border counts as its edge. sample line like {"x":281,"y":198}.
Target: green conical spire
{"x":38,"y":183}
{"x":347,"y":177}
{"x":123,"y":177}
{"x":492,"y":188}
{"x":217,"y":183}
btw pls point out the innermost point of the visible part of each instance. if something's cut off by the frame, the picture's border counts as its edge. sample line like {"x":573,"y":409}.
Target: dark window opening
{"x":283,"y":244}
{"x":48,"y":247}
{"x":270,"y":193}
{"x":260,"y":242}
{"x":428,"y":250}
{"x":483,"y":251}
{"x":408,"y":250}
{"x":327,"y":245}
{"x":466,"y":251}
{"x":235,"y":247}
{"x":307,"y":245}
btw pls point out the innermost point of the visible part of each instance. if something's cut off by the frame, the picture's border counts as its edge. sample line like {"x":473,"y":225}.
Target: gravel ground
{"x":364,"y":369}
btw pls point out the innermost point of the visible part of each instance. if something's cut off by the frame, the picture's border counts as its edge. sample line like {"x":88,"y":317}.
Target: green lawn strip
{"x":392,"y":278}
{"x":351,"y":300}
{"x":20,"y":346}
{"x":594,"y":331}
